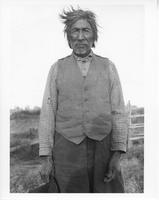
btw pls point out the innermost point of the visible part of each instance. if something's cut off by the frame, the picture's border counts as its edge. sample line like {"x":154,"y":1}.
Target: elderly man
{"x":83,"y":129}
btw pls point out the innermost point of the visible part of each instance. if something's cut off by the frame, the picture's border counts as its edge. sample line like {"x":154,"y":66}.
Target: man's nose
{"x":80,"y":35}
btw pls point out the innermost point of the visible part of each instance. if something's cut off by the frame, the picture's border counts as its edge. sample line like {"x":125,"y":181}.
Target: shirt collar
{"x":85,"y":59}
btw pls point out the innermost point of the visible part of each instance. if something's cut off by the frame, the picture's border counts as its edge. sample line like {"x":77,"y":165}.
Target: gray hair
{"x":72,"y":16}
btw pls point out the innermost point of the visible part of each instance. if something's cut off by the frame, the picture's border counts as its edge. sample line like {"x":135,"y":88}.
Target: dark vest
{"x":83,"y":104}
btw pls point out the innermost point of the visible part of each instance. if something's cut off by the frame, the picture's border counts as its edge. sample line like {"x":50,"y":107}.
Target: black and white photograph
{"x":79,"y":98}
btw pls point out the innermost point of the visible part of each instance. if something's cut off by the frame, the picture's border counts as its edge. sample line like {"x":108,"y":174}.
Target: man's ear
{"x":68,"y":40}
{"x":69,"y":44}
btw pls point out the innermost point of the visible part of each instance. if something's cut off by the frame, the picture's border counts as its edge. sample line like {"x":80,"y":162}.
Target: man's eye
{"x":87,"y":30}
{"x":74,"y":31}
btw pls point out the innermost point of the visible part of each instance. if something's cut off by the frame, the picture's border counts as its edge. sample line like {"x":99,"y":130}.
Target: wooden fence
{"x":136,"y":130}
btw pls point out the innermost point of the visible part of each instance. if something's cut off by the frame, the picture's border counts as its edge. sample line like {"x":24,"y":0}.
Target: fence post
{"x":134,"y":127}
{"x":129,"y":124}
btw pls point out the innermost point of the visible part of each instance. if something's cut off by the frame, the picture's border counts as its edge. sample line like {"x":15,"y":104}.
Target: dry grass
{"x":25,"y":162}
{"x":133,"y":167}
{"x":25,"y":165}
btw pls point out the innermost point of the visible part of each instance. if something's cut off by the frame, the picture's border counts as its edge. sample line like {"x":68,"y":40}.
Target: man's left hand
{"x":113,"y":166}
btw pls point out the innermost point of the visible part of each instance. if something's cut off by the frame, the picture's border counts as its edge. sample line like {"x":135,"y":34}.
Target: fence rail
{"x":133,"y":133}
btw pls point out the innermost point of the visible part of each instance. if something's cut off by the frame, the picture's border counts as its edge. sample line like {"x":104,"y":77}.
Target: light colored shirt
{"x":49,"y":106}
{"x":84,"y":63}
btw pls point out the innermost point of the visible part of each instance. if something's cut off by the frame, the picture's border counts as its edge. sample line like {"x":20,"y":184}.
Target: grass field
{"x":25,"y":162}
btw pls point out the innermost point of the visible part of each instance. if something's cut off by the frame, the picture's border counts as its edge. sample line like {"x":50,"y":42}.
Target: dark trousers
{"x":80,"y":168}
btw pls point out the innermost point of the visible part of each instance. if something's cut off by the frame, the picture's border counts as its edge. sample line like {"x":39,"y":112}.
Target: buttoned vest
{"x":83,"y":104}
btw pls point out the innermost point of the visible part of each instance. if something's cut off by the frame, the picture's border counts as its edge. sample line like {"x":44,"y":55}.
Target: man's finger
{"x":108,"y":176}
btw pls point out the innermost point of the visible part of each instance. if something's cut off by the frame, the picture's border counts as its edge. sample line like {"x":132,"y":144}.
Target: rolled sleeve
{"x":119,"y":116}
{"x":47,"y":115}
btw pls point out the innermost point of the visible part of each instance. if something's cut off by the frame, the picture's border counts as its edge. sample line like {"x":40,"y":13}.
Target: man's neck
{"x":82,"y":55}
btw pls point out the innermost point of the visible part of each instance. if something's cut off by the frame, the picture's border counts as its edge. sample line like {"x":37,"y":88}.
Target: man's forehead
{"x":81,"y":23}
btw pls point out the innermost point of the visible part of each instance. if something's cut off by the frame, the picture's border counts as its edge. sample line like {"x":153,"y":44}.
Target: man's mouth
{"x":81,"y":45}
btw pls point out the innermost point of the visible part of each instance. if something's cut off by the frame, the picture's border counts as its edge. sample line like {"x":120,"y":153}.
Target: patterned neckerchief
{"x":85,"y":59}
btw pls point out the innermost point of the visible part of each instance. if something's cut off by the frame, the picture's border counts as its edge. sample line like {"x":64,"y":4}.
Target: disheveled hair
{"x":73,"y":15}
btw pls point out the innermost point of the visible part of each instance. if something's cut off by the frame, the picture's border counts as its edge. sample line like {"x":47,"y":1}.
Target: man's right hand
{"x":46,"y":168}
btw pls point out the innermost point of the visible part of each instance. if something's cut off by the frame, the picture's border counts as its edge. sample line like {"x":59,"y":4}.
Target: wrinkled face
{"x":81,"y":38}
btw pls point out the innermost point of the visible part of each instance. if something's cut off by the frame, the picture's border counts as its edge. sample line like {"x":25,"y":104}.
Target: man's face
{"x":81,"y":38}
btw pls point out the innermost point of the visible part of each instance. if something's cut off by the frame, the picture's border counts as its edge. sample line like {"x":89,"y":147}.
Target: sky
{"x":35,"y":40}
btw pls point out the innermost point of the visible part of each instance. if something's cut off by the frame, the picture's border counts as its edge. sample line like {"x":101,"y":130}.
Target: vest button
{"x":85,"y":88}
{"x":86,"y":112}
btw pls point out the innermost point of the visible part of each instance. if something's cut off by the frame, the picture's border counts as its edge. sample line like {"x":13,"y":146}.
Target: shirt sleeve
{"x":119,"y":116}
{"x":47,"y":115}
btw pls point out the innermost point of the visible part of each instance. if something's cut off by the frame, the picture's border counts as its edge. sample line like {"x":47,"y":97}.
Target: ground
{"x":25,"y":162}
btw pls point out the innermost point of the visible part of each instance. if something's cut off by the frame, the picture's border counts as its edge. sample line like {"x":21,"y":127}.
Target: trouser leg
{"x":81,"y":168}
{"x":71,"y":165}
{"x":102,"y":158}
{"x":90,"y":162}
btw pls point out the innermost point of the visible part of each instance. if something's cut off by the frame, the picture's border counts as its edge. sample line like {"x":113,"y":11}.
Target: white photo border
{"x":151,"y":175}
